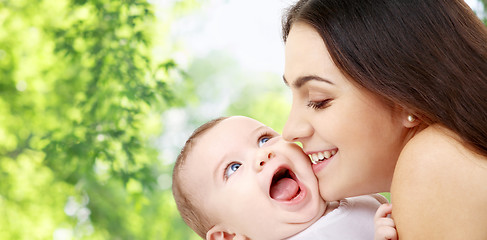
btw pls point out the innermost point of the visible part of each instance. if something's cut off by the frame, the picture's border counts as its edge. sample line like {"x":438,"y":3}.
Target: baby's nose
{"x":263,"y":157}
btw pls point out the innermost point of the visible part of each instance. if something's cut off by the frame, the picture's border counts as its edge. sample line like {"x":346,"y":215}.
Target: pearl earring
{"x":411,"y":118}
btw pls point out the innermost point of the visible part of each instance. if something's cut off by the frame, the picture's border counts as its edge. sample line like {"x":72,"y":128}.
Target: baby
{"x":238,"y":179}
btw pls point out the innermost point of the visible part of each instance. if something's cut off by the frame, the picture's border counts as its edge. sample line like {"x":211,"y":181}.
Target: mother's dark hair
{"x":428,"y":56}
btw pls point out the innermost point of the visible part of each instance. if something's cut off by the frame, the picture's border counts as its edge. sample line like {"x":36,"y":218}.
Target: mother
{"x":391,"y":95}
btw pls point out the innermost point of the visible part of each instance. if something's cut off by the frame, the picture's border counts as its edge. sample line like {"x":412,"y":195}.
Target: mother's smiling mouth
{"x":321,"y":156}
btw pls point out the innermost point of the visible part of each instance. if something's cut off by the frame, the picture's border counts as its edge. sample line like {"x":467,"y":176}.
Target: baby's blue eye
{"x":231,"y":169}
{"x":263,"y":140}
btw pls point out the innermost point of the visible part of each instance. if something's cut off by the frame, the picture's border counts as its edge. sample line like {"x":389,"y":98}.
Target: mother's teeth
{"x":320,"y":156}
{"x":314,"y":158}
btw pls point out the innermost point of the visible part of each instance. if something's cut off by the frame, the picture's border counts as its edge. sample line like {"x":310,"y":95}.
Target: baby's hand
{"x":385,"y":229}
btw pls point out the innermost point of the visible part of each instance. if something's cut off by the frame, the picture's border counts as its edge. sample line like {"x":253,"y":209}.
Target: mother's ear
{"x":219,"y":232}
{"x":410,"y":121}
{"x":408,"y":118}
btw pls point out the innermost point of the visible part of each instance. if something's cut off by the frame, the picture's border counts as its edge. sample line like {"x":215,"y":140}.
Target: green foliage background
{"x":82,"y":92}
{"x":80,"y":98}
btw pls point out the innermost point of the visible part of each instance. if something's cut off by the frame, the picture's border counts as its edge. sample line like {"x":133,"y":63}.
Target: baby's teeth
{"x":333,"y":152}
{"x":327,"y":154}
{"x":320,"y":156}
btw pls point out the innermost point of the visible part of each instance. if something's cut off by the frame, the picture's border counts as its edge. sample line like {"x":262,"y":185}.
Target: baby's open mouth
{"x":284,"y":186}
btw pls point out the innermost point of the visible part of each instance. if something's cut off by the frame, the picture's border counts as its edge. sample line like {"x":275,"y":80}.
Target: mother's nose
{"x":296,"y":128}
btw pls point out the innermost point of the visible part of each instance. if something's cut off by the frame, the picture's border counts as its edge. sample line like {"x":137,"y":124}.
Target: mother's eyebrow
{"x":304,"y":79}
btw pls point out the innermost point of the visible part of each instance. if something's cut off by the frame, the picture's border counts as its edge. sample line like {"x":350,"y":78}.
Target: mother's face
{"x":357,"y":136}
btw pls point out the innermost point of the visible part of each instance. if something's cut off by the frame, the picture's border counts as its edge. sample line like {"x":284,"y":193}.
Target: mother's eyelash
{"x":318,"y":104}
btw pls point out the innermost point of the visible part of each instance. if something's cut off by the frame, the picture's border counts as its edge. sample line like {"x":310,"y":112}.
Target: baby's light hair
{"x":192,"y":215}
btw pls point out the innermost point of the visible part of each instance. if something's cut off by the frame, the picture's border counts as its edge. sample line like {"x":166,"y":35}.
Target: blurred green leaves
{"x":80,"y":99}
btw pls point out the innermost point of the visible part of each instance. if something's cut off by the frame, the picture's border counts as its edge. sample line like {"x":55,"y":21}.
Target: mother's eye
{"x":318,"y":104}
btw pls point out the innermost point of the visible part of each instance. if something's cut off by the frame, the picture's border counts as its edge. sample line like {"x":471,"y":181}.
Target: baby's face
{"x":249,"y":179}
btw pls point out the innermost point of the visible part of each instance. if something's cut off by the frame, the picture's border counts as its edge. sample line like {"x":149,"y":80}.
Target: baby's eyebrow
{"x":304,"y":79}
{"x":259,"y":129}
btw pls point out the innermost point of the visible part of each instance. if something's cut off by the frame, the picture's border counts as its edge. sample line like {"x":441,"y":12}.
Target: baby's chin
{"x":311,"y":215}
{"x":294,"y":227}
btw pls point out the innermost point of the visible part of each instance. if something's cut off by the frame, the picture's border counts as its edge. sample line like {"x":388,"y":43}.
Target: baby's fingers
{"x":383,"y":211}
{"x":384,"y":225}
{"x":384,"y":222}
{"x":385,"y":233}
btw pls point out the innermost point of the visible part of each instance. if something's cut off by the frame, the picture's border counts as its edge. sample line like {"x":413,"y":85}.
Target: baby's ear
{"x":218,"y":232}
